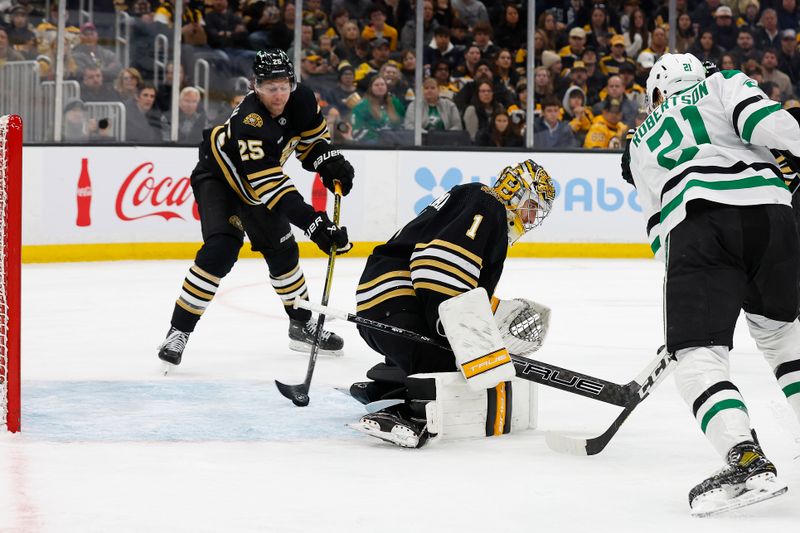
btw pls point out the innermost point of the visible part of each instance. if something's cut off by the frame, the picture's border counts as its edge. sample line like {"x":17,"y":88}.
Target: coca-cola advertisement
{"x":139,"y":194}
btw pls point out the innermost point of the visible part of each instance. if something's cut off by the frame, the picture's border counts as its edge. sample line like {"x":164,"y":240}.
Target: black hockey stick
{"x":527,"y":369}
{"x":299,"y":393}
{"x":656,"y":372}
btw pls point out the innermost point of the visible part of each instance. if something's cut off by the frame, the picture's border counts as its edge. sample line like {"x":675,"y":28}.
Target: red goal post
{"x":10,"y":266}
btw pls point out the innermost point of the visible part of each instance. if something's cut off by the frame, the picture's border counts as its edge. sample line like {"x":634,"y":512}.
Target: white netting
{"x":3,"y":273}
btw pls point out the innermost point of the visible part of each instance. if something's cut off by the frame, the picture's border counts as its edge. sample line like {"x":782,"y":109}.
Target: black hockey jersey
{"x":457,"y":243}
{"x":249,"y":150}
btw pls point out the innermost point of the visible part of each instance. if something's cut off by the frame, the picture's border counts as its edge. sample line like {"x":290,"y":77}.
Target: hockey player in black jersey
{"x":457,"y":243}
{"x":240,"y":187}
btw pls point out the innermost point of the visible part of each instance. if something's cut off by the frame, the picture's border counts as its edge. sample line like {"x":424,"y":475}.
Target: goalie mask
{"x":528,"y":193}
{"x":672,"y":74}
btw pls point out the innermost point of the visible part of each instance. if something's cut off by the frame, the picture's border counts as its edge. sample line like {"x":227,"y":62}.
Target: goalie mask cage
{"x":10,"y":243}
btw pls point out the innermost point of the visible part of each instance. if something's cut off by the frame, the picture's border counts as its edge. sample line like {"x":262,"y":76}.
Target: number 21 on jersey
{"x":673,"y":130}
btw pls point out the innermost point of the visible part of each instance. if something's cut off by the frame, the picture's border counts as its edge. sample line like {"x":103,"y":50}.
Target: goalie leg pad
{"x":479,"y":350}
{"x":455,"y":411}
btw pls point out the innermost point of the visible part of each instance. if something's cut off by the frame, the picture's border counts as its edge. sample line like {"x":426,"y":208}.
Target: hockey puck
{"x":300,"y":400}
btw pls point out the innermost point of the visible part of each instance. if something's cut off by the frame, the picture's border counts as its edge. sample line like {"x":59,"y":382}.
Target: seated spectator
{"x":788,"y":57}
{"x":143,"y":122}
{"x":572,"y":52}
{"x":658,"y":43}
{"x":93,"y":89}
{"x":599,"y":30}
{"x":644,"y":63}
{"x":769,"y":65}
{"x":609,"y":64}
{"x":465,"y":71}
{"x":499,"y":133}
{"x":164,"y":90}
{"x":330,"y":61}
{"x":438,"y":113}
{"x":745,"y":49}
{"x":749,"y":16}
{"x":312,"y":73}
{"x":408,"y":67}
{"x":607,"y":129}
{"x":633,"y":91}
{"x":314,"y":16}
{"x":379,"y":54}
{"x":390,"y":71}
{"x":20,"y":32}
{"x":483,"y":72}
{"x":377,"y":111}
{"x":441,"y":73}
{"x":550,"y":131}
{"x":143,"y":33}
{"x":578,"y":114}
{"x":265,"y":26}
{"x":441,"y":49}
{"x":356,"y":8}
{"x":75,"y":127}
{"x":192,"y":119}
{"x":482,"y":106}
{"x":552,"y":62}
{"x":725,"y":31}
{"x":443,"y":13}
{"x":345,"y":49}
{"x":542,"y":87}
{"x":595,"y":79}
{"x":306,"y":41}
{"x":127,"y":84}
{"x":227,"y":32}
{"x":7,"y":53}
{"x":470,"y":11}
{"x":90,"y":54}
{"x":336,"y":30}
{"x":408,"y":34}
{"x":705,"y":49}
{"x":615,"y":88}
{"x":504,"y":73}
{"x":638,"y":35}
{"x":377,"y":27}
{"x":511,"y":33}
{"x":788,"y":17}
{"x":728,"y":62}
{"x":686,"y":34}
{"x":344,"y":96}
{"x":768,"y":34}
{"x":772,"y":91}
{"x":577,"y":78}
{"x":482,"y":35}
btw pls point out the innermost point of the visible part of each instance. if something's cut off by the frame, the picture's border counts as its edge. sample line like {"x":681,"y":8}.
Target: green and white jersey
{"x":710,"y":141}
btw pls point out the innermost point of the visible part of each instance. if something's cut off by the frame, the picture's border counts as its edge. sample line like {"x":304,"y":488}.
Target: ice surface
{"x":109,"y":445}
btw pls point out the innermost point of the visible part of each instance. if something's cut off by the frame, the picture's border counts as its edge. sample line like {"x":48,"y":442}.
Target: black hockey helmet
{"x":271,"y":64}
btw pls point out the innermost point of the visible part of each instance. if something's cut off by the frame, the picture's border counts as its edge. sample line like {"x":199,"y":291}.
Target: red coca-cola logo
{"x":144,"y":195}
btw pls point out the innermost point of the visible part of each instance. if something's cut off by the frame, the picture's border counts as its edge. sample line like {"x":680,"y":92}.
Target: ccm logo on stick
{"x":586,"y":385}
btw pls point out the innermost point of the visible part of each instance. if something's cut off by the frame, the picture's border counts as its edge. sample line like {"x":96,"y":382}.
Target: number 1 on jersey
{"x":473,"y":229}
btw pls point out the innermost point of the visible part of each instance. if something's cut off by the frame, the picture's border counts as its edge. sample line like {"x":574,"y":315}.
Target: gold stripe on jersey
{"x":384,"y":297}
{"x":383,"y":277}
{"x":443,"y":289}
{"x":473,"y":282}
{"x":242,"y":189}
{"x":277,"y":279}
{"x":314,"y":131}
{"x":265,"y":186}
{"x":290,"y":286}
{"x":388,"y":285}
{"x":197,"y":291}
{"x":456,"y":248}
{"x":261,"y":173}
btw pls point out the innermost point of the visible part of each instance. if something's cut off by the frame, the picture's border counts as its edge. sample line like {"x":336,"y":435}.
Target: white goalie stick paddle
{"x":650,"y":377}
{"x":527,"y":369}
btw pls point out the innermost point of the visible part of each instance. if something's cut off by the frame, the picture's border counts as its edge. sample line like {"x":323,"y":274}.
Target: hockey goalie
{"x":434,"y":277}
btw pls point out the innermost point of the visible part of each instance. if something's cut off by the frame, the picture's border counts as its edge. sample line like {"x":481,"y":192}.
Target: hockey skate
{"x":748,"y":478}
{"x":171,"y":350}
{"x":301,"y":337}
{"x":396,"y":425}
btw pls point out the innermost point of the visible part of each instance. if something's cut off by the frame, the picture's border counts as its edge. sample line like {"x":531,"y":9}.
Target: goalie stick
{"x":527,"y":369}
{"x":649,"y":378}
{"x":299,"y":393}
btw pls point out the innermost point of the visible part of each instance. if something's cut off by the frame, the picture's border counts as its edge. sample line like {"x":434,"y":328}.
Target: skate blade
{"x":298,"y":346}
{"x":757,"y":489}
{"x":166,"y":368}
{"x":399,"y":436}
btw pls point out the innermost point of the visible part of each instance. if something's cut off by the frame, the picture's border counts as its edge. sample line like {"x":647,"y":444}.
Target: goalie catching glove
{"x":332,"y":166}
{"x":325,"y":234}
{"x":523,"y":324}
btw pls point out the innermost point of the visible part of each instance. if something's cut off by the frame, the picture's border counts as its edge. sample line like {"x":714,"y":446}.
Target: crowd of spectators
{"x":591,"y":57}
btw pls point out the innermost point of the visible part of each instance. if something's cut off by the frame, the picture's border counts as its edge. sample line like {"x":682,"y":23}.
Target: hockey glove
{"x":325,"y":233}
{"x":626,"y":158}
{"x":332,"y":166}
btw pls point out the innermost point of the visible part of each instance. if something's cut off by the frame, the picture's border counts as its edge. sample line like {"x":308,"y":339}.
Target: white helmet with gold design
{"x":528,"y":194}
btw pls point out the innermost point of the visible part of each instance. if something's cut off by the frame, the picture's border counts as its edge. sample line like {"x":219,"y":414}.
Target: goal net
{"x":10,"y":243}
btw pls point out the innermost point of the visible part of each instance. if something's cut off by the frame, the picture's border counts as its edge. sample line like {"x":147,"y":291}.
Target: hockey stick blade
{"x":658,"y":370}
{"x":297,"y":393}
